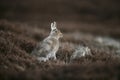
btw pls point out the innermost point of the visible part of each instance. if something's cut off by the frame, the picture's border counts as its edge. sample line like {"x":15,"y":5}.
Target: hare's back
{"x":42,"y":49}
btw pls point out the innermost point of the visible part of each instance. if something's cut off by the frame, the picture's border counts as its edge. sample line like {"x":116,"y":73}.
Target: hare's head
{"x":55,"y":32}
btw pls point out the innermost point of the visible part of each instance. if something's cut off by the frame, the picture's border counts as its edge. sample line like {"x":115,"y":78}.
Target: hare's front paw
{"x":54,"y":58}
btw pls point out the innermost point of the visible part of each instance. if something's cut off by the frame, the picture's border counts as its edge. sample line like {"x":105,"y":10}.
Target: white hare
{"x":49,"y":46}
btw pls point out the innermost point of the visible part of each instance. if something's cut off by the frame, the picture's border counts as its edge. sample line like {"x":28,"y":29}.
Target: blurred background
{"x":102,"y":15}
{"x":62,"y":10}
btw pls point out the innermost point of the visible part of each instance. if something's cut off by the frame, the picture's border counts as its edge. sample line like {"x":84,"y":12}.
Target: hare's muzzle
{"x":61,"y":35}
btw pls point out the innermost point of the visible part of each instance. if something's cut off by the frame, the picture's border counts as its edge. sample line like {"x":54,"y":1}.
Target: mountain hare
{"x":49,"y":46}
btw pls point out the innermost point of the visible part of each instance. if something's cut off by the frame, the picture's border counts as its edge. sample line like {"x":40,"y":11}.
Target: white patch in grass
{"x":80,"y":51}
{"x":105,"y":41}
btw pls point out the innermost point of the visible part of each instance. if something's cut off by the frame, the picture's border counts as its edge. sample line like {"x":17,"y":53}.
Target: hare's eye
{"x":55,"y":30}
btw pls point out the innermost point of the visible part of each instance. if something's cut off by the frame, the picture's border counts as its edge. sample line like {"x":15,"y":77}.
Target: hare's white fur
{"x":49,"y":46}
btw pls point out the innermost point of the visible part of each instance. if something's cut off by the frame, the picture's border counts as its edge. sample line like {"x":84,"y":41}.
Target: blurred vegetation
{"x":77,"y":10}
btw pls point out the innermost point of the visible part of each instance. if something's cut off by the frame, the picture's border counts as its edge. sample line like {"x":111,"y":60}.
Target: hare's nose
{"x":61,"y":35}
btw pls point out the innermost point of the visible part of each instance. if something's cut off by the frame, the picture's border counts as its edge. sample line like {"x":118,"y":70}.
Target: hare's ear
{"x":53,"y":26}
